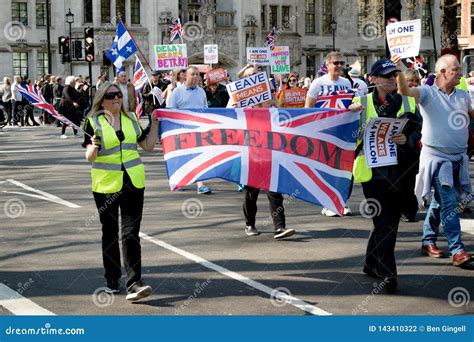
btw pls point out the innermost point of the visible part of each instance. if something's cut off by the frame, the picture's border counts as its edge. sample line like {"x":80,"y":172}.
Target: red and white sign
{"x":216,"y":76}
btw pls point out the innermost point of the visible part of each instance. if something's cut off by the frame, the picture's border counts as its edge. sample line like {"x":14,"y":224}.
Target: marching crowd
{"x":432,"y":153}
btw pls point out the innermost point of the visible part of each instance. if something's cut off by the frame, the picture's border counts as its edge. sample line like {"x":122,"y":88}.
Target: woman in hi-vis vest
{"x":118,"y":183}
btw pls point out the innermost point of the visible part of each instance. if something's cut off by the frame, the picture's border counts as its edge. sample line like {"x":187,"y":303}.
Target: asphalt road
{"x":195,"y":253}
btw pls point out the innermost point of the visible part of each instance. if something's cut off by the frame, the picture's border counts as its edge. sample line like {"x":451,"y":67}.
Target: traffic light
{"x":89,"y":33}
{"x":63,"y":43}
{"x":393,"y":11}
{"x":77,"y":49}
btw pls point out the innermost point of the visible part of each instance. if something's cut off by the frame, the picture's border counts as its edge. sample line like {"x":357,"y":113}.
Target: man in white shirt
{"x":16,"y":102}
{"x":332,"y":81}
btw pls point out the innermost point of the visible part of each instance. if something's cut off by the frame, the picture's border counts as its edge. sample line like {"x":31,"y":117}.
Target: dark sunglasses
{"x":338,"y":62}
{"x":113,"y":95}
{"x":292,"y":80}
{"x":390,"y":75}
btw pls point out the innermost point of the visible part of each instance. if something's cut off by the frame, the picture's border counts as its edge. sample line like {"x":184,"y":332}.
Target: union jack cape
{"x":340,"y":99}
{"x":35,"y":98}
{"x":306,"y":153}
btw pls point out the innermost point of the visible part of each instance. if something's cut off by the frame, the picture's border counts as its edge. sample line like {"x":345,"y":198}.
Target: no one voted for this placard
{"x":250,"y":91}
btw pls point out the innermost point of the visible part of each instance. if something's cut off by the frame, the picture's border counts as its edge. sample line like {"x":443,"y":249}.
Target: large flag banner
{"x":340,"y":99}
{"x":379,"y":148}
{"x":307,"y":153}
{"x":258,"y":55}
{"x":404,"y":38}
{"x":211,"y":55}
{"x":280,"y":60}
{"x":172,"y":56}
{"x":122,"y":47}
{"x":250,"y":91}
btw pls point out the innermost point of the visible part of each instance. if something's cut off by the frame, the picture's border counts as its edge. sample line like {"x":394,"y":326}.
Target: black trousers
{"x":130,"y":202}
{"x":409,"y":203}
{"x":275,"y":199}
{"x":380,"y":254}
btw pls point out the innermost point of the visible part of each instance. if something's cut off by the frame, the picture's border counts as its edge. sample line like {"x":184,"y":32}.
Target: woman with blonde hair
{"x":118,"y":183}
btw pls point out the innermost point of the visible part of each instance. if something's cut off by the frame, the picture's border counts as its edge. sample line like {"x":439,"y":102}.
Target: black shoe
{"x":113,"y":287}
{"x":390,"y":284}
{"x":283,"y":233}
{"x":138,"y":291}
{"x":408,"y":218}
{"x":367,"y":270}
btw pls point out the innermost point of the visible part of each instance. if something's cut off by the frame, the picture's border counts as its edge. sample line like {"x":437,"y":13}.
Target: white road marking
{"x":467,"y":226}
{"x":279,"y":295}
{"x":42,"y":194}
{"x":19,"y":305}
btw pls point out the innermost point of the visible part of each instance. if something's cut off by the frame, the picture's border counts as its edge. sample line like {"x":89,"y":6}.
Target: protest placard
{"x":216,"y":76}
{"x":379,"y":148}
{"x":258,"y":55}
{"x":404,"y":38}
{"x":250,"y":91}
{"x":293,"y":98}
{"x":280,"y":60}
{"x":211,"y":54}
{"x":172,"y":56}
{"x":202,"y":68}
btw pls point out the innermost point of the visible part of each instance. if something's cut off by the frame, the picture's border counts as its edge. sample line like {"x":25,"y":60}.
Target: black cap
{"x":383,"y":66}
{"x":155,"y":73}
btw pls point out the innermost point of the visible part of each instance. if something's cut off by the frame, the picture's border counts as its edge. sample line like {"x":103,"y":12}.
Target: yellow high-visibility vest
{"x":362,"y":173}
{"x":106,"y":172}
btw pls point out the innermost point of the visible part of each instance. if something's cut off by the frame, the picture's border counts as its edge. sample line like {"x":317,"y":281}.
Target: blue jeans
{"x":443,"y":209}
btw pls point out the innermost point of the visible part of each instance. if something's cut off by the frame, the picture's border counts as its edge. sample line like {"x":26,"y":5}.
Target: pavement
{"x":195,"y":254}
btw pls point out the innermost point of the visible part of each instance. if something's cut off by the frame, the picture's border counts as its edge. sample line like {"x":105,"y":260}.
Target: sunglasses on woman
{"x":113,"y":95}
{"x":292,"y":80}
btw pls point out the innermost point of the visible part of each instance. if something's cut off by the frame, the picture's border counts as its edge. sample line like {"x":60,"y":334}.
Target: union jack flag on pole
{"x":35,"y":98}
{"x":270,"y":40}
{"x":340,"y":99}
{"x":307,"y":153}
{"x":176,"y":30}
{"x":140,"y":77}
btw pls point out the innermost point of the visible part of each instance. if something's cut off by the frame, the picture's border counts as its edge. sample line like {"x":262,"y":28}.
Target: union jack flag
{"x":140,"y":76}
{"x":139,"y":109}
{"x":270,"y":40}
{"x":35,"y":98}
{"x":176,"y":30}
{"x":306,"y":153}
{"x":323,"y":70}
{"x":340,"y":99}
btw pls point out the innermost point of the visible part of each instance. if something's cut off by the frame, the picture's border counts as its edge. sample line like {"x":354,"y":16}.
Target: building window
{"x":20,"y":12}
{"x":264,"y":17}
{"x":42,"y":64}
{"x":105,"y":11}
{"x":363,"y":65}
{"x":273,"y":17}
{"x":285,"y":17}
{"x":326,"y":16}
{"x":425,"y":18}
{"x":135,"y":11}
{"x":310,"y":66}
{"x":472,"y":18}
{"x":362,"y":16}
{"x":193,"y":12}
{"x":310,"y":16}
{"x":87,"y":11}
{"x":41,"y":14}
{"x":120,"y":9}
{"x":20,"y":63}
{"x":458,"y":19}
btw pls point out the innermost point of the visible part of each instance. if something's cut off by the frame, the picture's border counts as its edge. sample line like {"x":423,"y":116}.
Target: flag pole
{"x":138,"y":47}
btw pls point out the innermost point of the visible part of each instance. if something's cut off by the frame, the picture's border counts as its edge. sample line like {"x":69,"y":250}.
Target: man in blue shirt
{"x":190,"y":96}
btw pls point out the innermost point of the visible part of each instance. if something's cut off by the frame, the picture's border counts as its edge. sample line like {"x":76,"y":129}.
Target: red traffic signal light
{"x":89,"y":38}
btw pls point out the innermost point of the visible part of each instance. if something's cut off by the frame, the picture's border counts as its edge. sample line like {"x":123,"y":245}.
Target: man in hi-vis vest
{"x":381,"y":185}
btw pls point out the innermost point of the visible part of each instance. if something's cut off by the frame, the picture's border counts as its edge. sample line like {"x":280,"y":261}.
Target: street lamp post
{"x":333,"y":27}
{"x":70,"y":20}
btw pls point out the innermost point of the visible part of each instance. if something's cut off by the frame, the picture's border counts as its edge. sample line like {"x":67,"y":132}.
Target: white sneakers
{"x":64,"y":136}
{"x":330,"y":213}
